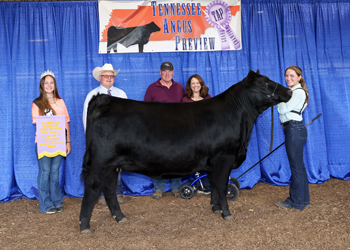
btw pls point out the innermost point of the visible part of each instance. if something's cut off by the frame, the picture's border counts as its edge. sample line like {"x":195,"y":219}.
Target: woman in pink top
{"x":196,"y":90}
{"x":47,"y":104}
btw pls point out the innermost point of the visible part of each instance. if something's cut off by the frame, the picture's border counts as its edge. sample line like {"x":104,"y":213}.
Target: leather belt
{"x":285,"y":124}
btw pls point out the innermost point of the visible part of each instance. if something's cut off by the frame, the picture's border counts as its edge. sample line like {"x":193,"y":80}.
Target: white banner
{"x":169,"y":26}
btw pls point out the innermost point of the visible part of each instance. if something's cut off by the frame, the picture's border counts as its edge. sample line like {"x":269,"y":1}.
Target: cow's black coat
{"x":166,"y":140}
{"x":130,"y":36}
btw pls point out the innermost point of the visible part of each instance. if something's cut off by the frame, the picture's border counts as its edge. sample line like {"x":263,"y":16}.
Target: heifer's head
{"x":264,"y":92}
{"x":154,"y":27}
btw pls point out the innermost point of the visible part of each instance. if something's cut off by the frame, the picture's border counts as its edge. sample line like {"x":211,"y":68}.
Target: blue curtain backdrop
{"x":63,"y":37}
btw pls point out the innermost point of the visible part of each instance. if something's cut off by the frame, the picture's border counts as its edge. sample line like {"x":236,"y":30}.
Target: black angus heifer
{"x":130,"y":36}
{"x":167,"y":140}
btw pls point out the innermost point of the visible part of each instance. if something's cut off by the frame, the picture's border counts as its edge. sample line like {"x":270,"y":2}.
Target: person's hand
{"x":68,"y":148}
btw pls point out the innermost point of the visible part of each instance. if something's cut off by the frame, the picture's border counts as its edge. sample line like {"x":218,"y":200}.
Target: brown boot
{"x":157,"y":195}
{"x":177,"y":194}
{"x":120,"y":199}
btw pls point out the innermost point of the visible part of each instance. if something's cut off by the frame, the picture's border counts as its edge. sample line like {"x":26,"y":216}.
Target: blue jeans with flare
{"x":295,"y":138}
{"x":50,"y":195}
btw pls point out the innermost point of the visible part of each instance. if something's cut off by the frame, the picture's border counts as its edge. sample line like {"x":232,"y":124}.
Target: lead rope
{"x":271,"y":140}
{"x":275,"y":149}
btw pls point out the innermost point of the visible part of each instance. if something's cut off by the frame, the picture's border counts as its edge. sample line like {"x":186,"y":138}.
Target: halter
{"x":273,"y":93}
{"x":269,"y":96}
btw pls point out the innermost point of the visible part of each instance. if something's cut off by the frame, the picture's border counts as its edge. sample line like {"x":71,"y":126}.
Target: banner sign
{"x":169,"y":26}
{"x":51,"y":135}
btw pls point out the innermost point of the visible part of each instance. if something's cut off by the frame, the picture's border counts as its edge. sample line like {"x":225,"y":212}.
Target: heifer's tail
{"x":97,"y":105}
{"x":96,"y":101}
{"x":86,"y":165}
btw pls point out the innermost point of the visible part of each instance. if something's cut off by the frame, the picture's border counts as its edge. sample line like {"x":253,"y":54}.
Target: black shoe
{"x":60,"y":209}
{"x":52,"y":211}
{"x":203,"y":190}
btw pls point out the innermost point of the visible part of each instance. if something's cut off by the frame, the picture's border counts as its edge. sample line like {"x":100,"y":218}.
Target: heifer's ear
{"x":258,"y":72}
{"x":251,"y":73}
{"x":250,"y":77}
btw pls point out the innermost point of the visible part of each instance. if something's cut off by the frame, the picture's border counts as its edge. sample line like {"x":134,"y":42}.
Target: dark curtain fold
{"x":63,"y":37}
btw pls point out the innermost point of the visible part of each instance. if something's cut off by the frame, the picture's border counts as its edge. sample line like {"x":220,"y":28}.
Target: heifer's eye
{"x":264,"y":83}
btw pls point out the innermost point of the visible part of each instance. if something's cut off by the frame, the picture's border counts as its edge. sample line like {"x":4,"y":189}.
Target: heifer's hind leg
{"x":91,"y":193}
{"x":109,"y":192}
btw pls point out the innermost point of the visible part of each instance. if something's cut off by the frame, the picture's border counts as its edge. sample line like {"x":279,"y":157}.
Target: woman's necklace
{"x":197,"y":98}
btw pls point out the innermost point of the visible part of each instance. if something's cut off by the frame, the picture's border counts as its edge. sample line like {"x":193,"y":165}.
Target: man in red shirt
{"x":165,"y":89}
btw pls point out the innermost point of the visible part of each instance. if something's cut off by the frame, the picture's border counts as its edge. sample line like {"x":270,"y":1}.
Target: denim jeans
{"x":295,"y":138}
{"x":159,"y":185}
{"x":50,"y":195}
{"x":119,"y":186}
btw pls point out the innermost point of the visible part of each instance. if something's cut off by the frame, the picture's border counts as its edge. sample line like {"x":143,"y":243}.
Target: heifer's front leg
{"x":219,"y":184}
{"x":219,"y":201}
{"x":222,"y":191}
{"x":141,"y":47}
{"x":214,"y":202}
{"x":109,"y":192}
{"x":218,"y":195}
{"x":90,"y":197}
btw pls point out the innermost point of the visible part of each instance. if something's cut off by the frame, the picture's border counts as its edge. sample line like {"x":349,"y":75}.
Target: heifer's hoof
{"x":123,"y":220}
{"x":85,"y":231}
{"x":217,"y":211}
{"x":84,"y":227}
{"x":229,"y":217}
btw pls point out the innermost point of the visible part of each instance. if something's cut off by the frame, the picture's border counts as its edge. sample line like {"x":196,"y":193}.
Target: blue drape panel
{"x":63,"y":37}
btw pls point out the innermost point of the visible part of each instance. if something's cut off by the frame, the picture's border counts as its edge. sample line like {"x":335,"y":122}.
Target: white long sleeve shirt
{"x":102,"y":90}
{"x":295,"y":103}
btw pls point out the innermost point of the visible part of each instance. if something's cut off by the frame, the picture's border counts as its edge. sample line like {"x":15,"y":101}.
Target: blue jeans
{"x":295,"y":138}
{"x":119,"y":186}
{"x":159,"y":185}
{"x":50,"y":195}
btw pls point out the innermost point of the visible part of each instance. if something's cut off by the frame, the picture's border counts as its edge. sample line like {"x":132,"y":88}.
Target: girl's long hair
{"x":42,"y":101}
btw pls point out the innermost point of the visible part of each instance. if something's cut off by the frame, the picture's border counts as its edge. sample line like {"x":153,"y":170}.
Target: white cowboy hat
{"x":107,"y":67}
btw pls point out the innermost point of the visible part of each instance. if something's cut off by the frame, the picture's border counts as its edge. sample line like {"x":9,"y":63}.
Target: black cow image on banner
{"x":170,"y":140}
{"x":130,"y":36}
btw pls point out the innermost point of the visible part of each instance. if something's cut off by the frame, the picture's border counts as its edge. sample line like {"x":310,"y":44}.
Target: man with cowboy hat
{"x":105,"y":75}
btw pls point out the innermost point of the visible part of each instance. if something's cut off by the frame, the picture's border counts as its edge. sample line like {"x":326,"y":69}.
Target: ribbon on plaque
{"x":218,"y":15}
{"x":51,"y":135}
